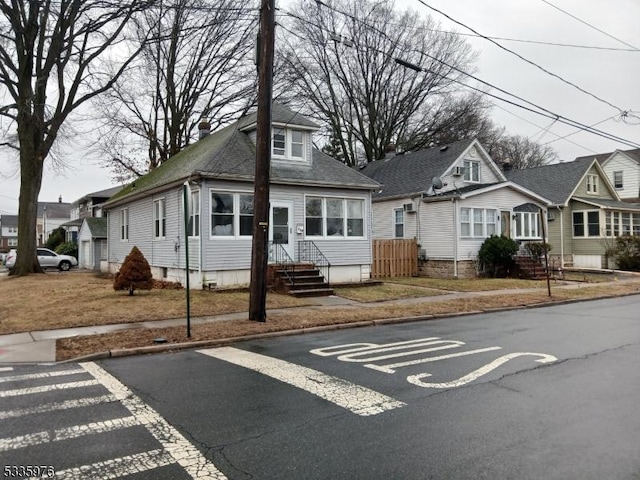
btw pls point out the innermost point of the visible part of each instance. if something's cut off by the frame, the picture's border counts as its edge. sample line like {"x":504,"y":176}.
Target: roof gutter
{"x":194,"y":176}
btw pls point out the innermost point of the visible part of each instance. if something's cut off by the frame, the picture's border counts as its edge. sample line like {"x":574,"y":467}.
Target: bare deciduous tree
{"x":55,"y":55}
{"x":351,"y":66}
{"x":199,"y":67}
{"x":522,"y":152}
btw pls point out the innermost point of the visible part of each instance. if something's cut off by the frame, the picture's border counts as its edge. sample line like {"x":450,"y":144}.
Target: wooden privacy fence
{"x":395,"y":258}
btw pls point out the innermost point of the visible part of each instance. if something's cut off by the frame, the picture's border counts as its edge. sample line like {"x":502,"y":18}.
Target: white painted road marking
{"x":416,"y":379}
{"x":119,"y":467}
{"x":391,"y":368}
{"x":46,"y":388}
{"x":60,"y":434}
{"x":33,"y":376}
{"x":359,"y":400}
{"x":372,"y":352}
{"x":181,"y":450}
{"x":52,"y":407}
{"x":6,"y":369}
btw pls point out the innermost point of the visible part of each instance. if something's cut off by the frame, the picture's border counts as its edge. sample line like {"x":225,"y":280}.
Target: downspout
{"x":200,"y":236}
{"x":561,"y":237}
{"x":456,"y":230}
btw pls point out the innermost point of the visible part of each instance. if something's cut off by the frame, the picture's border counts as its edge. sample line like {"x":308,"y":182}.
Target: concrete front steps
{"x":300,"y":280}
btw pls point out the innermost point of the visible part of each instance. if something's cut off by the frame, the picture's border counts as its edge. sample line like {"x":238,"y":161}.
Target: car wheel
{"x":64,"y":266}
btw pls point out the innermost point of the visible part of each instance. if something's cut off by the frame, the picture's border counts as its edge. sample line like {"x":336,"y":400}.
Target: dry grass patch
{"x":386,"y":291}
{"x":309,"y":317}
{"x":75,"y":299}
{"x":470,"y":285}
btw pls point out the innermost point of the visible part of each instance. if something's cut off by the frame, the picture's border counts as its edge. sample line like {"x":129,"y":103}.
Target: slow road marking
{"x":359,"y":400}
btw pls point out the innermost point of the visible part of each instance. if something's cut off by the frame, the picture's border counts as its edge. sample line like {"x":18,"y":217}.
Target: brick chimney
{"x":60,"y":199}
{"x":390,"y":151}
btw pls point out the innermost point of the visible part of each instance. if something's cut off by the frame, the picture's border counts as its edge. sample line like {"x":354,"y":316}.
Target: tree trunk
{"x":31,"y":168}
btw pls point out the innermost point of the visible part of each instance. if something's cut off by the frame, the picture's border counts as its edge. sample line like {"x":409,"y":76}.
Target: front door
{"x":505,"y":224}
{"x":281,"y":227}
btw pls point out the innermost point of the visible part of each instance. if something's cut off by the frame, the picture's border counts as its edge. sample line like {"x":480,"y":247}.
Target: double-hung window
{"x":231,"y":214}
{"x":288,"y":144}
{"x":527,"y":225}
{"x":124,"y":224}
{"x":617,"y":180}
{"x":159,"y":219}
{"x":478,"y":222}
{"x":471,"y":171}
{"x":586,"y":224}
{"x":592,"y":184}
{"x":334,"y":217}
{"x":398,"y":218}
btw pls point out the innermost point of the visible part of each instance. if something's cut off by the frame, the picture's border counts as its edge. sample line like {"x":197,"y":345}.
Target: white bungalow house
{"x":450,"y":198}
{"x":317,"y":204}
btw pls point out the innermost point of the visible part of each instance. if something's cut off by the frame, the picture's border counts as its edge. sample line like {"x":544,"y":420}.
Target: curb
{"x":126,"y":352}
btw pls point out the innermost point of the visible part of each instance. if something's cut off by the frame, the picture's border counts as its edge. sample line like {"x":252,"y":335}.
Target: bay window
{"x":527,"y":225}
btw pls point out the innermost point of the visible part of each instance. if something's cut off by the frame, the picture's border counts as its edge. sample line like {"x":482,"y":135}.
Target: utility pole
{"x":259,"y":257}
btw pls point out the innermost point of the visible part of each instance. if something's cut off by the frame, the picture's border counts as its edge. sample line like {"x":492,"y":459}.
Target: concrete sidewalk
{"x":40,"y":346}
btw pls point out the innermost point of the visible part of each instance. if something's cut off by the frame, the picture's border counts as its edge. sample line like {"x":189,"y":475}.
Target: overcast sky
{"x":612,"y":75}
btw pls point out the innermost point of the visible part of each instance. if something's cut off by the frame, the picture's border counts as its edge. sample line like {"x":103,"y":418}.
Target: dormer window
{"x":289,"y":144}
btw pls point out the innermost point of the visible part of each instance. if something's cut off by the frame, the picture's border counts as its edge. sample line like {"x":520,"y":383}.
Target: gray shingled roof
{"x":279,"y":115}
{"x":555,"y":182}
{"x":412,"y":173}
{"x":9,"y":220}
{"x":106,"y":193}
{"x":229,"y":153}
{"x":618,"y":205}
{"x":55,"y":209}
{"x":601,"y":157}
{"x":97,"y":226}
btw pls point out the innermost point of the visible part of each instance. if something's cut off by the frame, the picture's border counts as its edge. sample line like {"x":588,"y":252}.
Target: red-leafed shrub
{"x":135,"y":273}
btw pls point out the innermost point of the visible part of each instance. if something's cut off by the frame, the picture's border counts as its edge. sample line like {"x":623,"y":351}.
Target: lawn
{"x":62,"y":300}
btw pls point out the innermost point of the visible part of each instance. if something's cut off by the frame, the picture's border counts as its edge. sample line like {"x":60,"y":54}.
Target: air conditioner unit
{"x":408,"y":207}
{"x":458,"y":171}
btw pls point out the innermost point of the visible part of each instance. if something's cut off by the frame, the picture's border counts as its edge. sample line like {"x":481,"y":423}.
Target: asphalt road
{"x":546,"y":393}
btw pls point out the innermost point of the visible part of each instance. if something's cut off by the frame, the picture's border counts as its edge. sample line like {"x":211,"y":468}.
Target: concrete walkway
{"x":40,"y":346}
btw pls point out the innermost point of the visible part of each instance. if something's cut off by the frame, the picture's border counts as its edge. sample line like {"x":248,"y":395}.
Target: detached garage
{"x":92,"y":243}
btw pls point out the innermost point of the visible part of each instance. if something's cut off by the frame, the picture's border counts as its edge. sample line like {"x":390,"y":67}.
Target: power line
{"x":634,"y":48}
{"x":620,"y":110}
{"x":578,"y":131}
{"x":541,"y":110}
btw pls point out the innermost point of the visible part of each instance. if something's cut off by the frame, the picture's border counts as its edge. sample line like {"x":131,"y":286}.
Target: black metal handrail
{"x":278,"y":255}
{"x":308,"y":251}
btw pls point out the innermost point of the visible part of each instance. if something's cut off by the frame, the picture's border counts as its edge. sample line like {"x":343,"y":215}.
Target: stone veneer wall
{"x":444,"y":269}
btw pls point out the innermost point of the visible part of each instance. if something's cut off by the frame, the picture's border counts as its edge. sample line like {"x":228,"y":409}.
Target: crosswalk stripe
{"x":52,"y":407}
{"x":60,"y":434}
{"x":33,"y":376}
{"x":47,"y":388}
{"x":360,"y":400}
{"x":180,"y":449}
{"x":119,"y":467}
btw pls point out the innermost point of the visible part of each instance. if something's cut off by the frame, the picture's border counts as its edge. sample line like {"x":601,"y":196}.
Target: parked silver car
{"x":47,"y":259}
